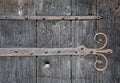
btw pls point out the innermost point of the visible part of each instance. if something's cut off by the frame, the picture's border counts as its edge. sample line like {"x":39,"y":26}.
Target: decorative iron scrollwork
{"x":98,"y":51}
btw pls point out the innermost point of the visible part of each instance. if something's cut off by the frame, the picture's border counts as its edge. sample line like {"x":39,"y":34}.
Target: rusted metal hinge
{"x":49,"y":17}
{"x":78,"y":51}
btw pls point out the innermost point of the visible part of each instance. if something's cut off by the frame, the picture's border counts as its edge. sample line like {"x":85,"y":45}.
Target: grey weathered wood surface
{"x":110,"y":25}
{"x":83,"y":33}
{"x":57,"y":69}
{"x":53,"y":7}
{"x":17,"y":34}
{"x":17,"y":69}
{"x":54,"y":34}
{"x":54,"y":69}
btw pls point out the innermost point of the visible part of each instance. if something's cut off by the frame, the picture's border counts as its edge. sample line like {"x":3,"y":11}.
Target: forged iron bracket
{"x":78,"y":51}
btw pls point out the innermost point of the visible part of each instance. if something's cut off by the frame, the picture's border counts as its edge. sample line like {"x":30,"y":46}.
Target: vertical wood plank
{"x":53,"y":7}
{"x":110,"y":11}
{"x":83,"y":32}
{"x":17,"y":7}
{"x":54,"y":69}
{"x":83,"y":7}
{"x":15,"y":33}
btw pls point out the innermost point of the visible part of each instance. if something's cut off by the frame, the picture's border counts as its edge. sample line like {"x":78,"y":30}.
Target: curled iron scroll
{"x":101,"y":54}
{"x":100,"y":62}
{"x":106,"y":40}
{"x":98,"y":51}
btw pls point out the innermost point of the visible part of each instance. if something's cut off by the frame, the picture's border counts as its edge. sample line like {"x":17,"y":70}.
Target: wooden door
{"x":51,"y":34}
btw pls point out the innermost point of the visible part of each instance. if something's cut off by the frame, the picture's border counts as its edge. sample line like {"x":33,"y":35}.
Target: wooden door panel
{"x":83,"y":32}
{"x":110,"y":11}
{"x":83,"y":70}
{"x":17,"y":7}
{"x":17,"y":33}
{"x":53,"y":34}
{"x":56,"y":34}
{"x":17,"y":69}
{"x":54,"y":69}
{"x":53,"y":7}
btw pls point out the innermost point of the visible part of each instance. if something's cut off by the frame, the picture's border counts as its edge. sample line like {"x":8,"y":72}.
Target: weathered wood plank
{"x":82,"y":67}
{"x":53,"y":7}
{"x":83,"y":32}
{"x":83,"y":7}
{"x":17,"y":70}
{"x":48,"y":34}
{"x":110,"y":11}
{"x":53,"y":34}
{"x":17,"y":7}
{"x":17,"y":34}
{"x":55,"y":68}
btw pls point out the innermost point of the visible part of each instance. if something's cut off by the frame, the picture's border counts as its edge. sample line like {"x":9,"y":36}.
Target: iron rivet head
{"x":82,"y":48}
{"x":76,"y":18}
{"x":91,"y":52}
{"x":16,"y":51}
{"x":63,"y":18}
{"x":46,"y":52}
{"x":31,"y":53}
{"x":6,"y":17}
{"x":109,"y":52}
{"x":76,"y":51}
{"x":82,"y":55}
{"x":59,"y":51}
{"x":26,"y":18}
{"x":44,"y":18}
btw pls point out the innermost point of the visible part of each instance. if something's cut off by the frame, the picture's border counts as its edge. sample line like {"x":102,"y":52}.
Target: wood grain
{"x":17,"y":34}
{"x":109,"y":10}
{"x":53,"y":34}
{"x":53,"y":7}
{"x":83,"y":32}
{"x":56,"y":34}
{"x":17,"y":7}
{"x":84,"y":7}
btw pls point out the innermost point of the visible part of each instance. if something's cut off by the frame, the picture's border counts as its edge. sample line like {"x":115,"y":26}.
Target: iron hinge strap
{"x":78,"y":51}
{"x":49,"y":17}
